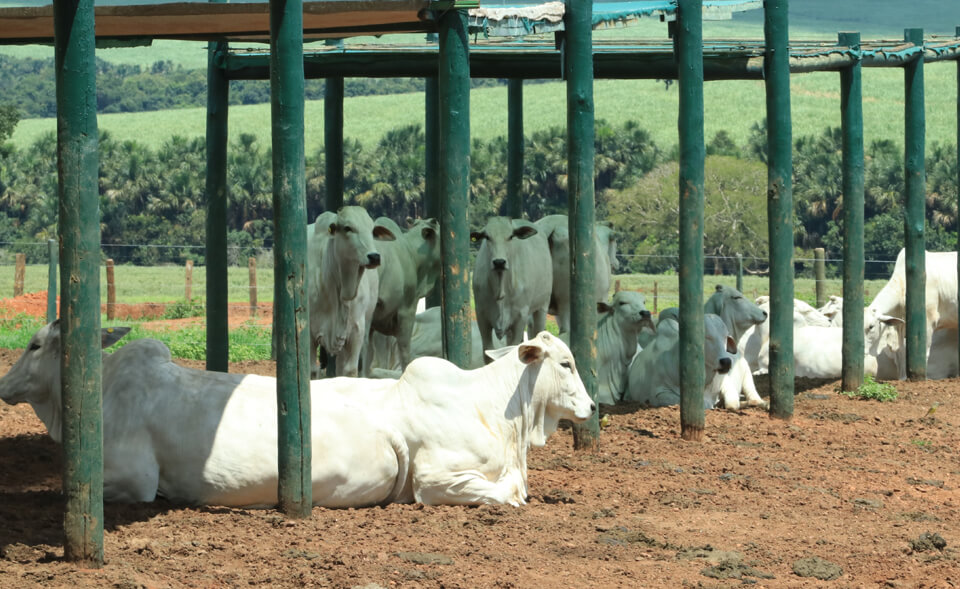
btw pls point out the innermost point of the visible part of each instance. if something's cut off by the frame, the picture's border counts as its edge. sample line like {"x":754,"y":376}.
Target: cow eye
{"x":566,"y":364}
{"x":34,"y":346}
{"x":347,"y":229}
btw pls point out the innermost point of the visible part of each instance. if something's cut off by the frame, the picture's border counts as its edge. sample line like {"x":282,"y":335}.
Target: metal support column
{"x":431,"y":192}
{"x":578,"y":71}
{"x":957,"y":33}
{"x":333,"y":141}
{"x":53,"y":264}
{"x":514,"y":208}
{"x":79,"y":233}
{"x":454,"y":127}
{"x":915,"y":208}
{"x":851,"y":122}
{"x":218,"y":105}
{"x":779,"y":206}
{"x":290,"y":239}
{"x":689,"y":44}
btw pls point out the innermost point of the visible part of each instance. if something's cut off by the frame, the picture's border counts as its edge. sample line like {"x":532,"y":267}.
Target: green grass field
{"x":730,"y":106}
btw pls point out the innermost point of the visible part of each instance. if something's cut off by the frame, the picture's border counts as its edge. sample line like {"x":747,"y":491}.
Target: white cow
{"x":209,"y":438}
{"x":556,"y":229}
{"x":754,"y":345}
{"x":426,"y":340}
{"x":342,"y":295}
{"x":818,"y":351}
{"x":941,"y":295}
{"x":833,"y":311}
{"x":511,"y":279}
{"x":739,"y":314}
{"x":620,"y":324}
{"x":409,"y":269}
{"x":654,"y":376}
{"x":468,"y":431}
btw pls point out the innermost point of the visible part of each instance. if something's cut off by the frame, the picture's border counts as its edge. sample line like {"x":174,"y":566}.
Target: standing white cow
{"x":941,"y":295}
{"x":511,"y":279}
{"x":209,"y":438}
{"x":654,"y":376}
{"x":556,"y":229}
{"x":468,"y":431}
{"x":408,"y":271}
{"x":342,"y":295}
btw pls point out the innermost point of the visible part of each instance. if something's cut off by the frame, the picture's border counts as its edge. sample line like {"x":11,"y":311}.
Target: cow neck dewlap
{"x":348,"y":275}
{"x":537,"y":424}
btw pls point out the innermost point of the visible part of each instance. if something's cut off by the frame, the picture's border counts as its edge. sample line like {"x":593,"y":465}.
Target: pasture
{"x":859,"y":492}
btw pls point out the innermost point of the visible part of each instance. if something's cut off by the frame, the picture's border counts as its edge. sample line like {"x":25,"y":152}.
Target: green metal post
{"x":689,"y":44}
{"x":957,"y":33}
{"x":851,"y":118}
{"x":779,"y":206}
{"x":431,"y":193}
{"x":454,"y":127}
{"x":915,"y":195}
{"x":578,"y":71}
{"x":333,"y":141}
{"x":218,"y":107}
{"x":515,"y":148}
{"x":53,"y":257}
{"x":290,"y":239}
{"x":79,"y":233}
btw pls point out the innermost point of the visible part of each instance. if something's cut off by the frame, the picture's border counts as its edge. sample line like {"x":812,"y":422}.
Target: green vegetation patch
{"x":873,"y":390}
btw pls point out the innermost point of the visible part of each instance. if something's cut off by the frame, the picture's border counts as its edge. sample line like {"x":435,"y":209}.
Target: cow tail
{"x":399,"y":444}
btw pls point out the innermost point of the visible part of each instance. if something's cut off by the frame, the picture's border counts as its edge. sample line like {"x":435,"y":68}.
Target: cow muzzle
{"x":373,"y":260}
{"x":725,"y":365}
{"x":499,"y":264}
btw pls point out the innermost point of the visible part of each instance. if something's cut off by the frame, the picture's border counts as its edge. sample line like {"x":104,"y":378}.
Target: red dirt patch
{"x":35,"y":304}
{"x":852,"y":482}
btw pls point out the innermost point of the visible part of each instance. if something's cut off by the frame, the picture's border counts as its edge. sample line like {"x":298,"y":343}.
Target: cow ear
{"x":497,"y":353}
{"x":428,"y":233}
{"x":477,"y":235}
{"x":530,"y":352}
{"x":891,"y":320}
{"x":603,"y":307}
{"x":332,"y":228}
{"x":731,"y":345}
{"x":111,"y":335}
{"x":410,"y":221}
{"x":383,"y":234}
{"x":524,"y":231}
{"x":719,"y":288}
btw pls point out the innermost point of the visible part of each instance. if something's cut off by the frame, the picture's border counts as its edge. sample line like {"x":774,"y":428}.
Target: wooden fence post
{"x":820,"y":272}
{"x":655,"y":297}
{"x":252,"y":265}
{"x":111,"y":292}
{"x":18,"y":275}
{"x":616,"y":287}
{"x":189,"y":280}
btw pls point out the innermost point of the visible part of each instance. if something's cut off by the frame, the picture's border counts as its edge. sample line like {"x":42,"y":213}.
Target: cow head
{"x":883,"y":339}
{"x":354,"y":245}
{"x":550,"y":385}
{"x":496,"y":237}
{"x":628,"y":309}
{"x":719,"y":347}
{"x":737,"y":312}
{"x":35,"y":378}
{"x":424,"y":237}
{"x":608,"y":240}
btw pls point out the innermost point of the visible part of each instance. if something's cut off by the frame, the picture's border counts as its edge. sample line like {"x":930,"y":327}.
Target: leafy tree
{"x":9,"y":117}
{"x":647,"y":214}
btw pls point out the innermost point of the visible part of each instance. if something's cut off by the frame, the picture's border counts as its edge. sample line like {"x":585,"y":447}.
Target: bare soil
{"x":848,"y":493}
{"x":862,"y":491}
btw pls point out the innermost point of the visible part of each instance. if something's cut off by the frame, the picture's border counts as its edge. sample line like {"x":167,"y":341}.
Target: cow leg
{"x":467,"y":487}
{"x":748,"y":386}
{"x":539,"y":322}
{"x":563,"y":320}
{"x":131,"y":473}
{"x":404,"y":334}
{"x":486,"y":335}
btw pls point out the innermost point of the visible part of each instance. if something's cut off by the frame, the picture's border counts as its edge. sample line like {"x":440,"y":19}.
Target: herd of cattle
{"x":418,"y":428}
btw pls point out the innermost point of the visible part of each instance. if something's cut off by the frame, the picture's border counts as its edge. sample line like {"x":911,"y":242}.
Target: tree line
{"x":157,"y":197}
{"x":29,"y":86}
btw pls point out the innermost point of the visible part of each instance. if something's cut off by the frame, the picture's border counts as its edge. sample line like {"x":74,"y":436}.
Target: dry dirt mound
{"x":863,"y":493}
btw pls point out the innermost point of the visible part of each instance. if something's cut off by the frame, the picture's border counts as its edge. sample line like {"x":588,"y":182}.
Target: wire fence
{"x":173,"y":296}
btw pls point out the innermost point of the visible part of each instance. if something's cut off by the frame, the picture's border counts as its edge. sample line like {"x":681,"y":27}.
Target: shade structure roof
{"x":250,"y":21}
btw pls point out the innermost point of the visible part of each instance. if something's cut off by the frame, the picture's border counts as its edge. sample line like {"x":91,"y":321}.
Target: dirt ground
{"x":848,"y":493}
